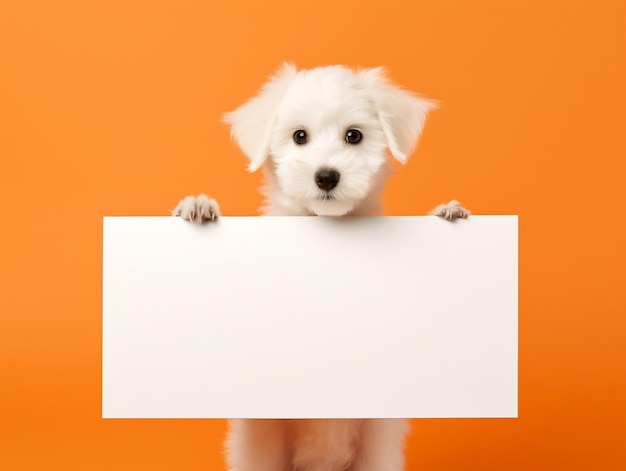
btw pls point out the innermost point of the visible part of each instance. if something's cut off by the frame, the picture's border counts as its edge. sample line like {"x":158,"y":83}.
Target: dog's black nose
{"x":327,"y":179}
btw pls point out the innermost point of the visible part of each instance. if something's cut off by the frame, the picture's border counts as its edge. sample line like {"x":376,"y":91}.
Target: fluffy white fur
{"x":326,"y":103}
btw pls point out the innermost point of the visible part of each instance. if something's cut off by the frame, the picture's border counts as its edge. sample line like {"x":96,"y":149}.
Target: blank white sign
{"x":310,"y":317}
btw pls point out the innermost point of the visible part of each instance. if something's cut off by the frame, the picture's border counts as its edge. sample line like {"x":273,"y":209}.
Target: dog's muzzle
{"x":327,"y":179}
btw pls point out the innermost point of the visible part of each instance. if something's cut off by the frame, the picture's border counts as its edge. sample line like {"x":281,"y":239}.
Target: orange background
{"x":113,"y":108}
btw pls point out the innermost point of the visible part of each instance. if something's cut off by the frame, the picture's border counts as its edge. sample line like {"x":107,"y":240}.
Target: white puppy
{"x":322,"y":137}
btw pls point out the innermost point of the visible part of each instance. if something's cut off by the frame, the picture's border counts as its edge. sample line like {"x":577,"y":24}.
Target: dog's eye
{"x":353,"y":136}
{"x":300,"y":137}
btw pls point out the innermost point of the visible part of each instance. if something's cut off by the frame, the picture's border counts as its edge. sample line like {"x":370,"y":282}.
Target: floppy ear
{"x":402,"y":114}
{"x":252,"y":122}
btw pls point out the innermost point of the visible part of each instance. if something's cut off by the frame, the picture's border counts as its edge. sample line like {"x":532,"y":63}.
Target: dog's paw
{"x":451,"y":211}
{"x":197,"y":209}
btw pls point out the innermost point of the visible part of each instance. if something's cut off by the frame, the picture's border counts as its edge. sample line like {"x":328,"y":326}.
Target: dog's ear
{"x":251,"y":123}
{"x":402,"y":114}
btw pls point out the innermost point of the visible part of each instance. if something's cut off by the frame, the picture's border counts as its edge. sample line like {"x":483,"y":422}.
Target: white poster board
{"x":310,"y":317}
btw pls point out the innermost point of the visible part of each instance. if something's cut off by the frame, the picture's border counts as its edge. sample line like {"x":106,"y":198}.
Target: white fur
{"x":325,"y":102}
{"x":316,"y":444}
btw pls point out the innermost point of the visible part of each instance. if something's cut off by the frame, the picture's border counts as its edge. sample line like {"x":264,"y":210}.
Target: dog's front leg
{"x":199,"y":209}
{"x":258,"y":445}
{"x":450,"y":211}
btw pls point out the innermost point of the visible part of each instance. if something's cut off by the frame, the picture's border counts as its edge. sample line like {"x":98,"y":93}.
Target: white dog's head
{"x":323,"y":135}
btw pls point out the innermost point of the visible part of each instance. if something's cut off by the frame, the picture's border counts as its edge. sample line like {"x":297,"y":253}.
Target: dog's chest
{"x":324,"y":444}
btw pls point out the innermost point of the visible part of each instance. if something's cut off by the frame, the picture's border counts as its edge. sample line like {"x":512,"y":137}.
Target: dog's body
{"x":317,"y":445}
{"x":322,"y":137}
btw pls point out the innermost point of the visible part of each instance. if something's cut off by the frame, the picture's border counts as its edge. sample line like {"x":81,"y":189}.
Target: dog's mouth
{"x":330,"y":195}
{"x":329,"y":205}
